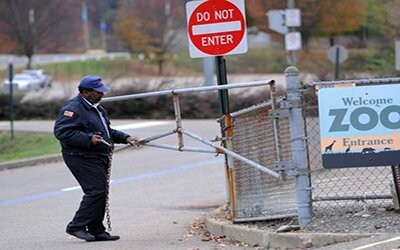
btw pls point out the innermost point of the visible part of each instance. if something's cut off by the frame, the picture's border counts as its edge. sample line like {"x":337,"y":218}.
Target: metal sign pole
{"x":222,"y":80}
{"x":11,"y":102}
{"x":337,"y":63}
{"x":227,"y":131}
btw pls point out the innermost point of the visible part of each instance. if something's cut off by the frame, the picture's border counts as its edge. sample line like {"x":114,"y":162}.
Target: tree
{"x":342,"y":16}
{"x":31,"y":26}
{"x":381,"y":21}
{"x":151,"y":27}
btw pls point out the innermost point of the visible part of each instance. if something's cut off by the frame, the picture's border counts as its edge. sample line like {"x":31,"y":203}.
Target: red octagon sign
{"x":216,"y":27}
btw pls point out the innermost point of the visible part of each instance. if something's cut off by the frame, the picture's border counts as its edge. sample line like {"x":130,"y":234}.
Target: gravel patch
{"x":371,"y":220}
{"x":333,"y":220}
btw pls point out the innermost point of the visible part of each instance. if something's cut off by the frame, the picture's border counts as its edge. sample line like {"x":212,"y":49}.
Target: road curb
{"x":43,"y":159}
{"x":30,"y":162}
{"x":267,"y":239}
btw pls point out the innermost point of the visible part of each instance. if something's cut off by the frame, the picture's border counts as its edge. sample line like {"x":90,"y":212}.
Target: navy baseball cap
{"x":93,"y":82}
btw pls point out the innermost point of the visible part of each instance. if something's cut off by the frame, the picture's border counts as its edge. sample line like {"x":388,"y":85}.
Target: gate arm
{"x":234,"y":155}
{"x":178,"y":148}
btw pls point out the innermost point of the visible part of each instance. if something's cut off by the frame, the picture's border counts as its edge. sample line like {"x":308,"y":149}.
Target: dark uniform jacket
{"x":77,"y":122}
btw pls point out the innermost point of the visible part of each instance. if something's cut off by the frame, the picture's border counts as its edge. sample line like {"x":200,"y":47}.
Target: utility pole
{"x":103,"y":33}
{"x":285,"y":22}
{"x":167,"y":12}
{"x":32,"y":34}
{"x":84,"y":17}
{"x":291,"y":54}
{"x":31,"y":15}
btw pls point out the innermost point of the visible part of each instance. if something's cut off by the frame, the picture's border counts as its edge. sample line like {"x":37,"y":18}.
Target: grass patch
{"x":26,"y":145}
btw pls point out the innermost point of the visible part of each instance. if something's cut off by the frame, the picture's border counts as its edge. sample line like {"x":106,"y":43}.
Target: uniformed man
{"x":83,"y":129}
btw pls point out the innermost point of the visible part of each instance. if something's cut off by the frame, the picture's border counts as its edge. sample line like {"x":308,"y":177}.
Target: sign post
{"x":218,"y":28}
{"x":11,"y":99}
{"x":397,"y":55}
{"x":284,"y":22}
{"x":337,"y":54}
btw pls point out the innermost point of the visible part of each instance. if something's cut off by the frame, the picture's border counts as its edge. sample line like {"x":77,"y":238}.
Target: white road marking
{"x":70,"y":189}
{"x":377,"y":243}
{"x":140,"y":125}
{"x":75,"y":188}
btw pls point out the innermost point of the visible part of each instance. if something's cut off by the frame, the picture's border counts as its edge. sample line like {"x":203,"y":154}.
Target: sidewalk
{"x":264,"y":238}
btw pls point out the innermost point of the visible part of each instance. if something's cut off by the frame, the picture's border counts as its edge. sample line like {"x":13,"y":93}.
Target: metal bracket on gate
{"x":287,"y":104}
{"x":284,"y":165}
{"x":290,"y":168}
{"x":298,"y":172}
{"x":278,"y":113}
{"x":283,"y":110}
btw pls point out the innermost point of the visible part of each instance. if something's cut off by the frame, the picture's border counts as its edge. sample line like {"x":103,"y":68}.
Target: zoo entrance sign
{"x":360,"y":126}
{"x":216,"y":27}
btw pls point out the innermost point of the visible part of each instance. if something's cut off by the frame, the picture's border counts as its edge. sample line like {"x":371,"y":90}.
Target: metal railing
{"x":180,"y":131}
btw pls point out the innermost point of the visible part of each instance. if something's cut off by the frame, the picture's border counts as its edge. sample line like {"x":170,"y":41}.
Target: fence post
{"x":298,"y":143}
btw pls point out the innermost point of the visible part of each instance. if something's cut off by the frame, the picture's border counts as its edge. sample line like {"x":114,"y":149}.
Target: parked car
{"x":45,"y":78}
{"x":23,"y":82}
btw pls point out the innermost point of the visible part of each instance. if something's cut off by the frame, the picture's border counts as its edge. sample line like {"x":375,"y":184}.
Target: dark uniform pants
{"x":91,"y":173}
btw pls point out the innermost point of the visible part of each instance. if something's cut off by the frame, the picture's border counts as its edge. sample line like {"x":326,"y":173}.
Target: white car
{"x":45,"y":78}
{"x":23,"y":82}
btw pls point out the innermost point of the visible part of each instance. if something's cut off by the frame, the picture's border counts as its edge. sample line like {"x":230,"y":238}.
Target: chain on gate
{"x":107,"y":191}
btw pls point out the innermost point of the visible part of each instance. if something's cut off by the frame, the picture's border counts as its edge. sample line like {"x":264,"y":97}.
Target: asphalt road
{"x":156,"y":194}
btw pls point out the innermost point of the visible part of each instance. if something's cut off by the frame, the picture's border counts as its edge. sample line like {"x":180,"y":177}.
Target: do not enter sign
{"x":216,"y":27}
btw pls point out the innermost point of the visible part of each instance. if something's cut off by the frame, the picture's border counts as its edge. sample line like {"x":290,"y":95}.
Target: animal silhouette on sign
{"x":348,"y":149}
{"x":367,"y":150}
{"x":329,"y":147}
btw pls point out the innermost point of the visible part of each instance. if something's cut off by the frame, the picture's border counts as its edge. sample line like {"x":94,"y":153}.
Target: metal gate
{"x":258,"y":196}
{"x":265,"y":150}
{"x":272,"y":134}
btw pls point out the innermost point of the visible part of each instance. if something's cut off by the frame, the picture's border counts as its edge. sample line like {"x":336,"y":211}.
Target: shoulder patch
{"x":68,"y":113}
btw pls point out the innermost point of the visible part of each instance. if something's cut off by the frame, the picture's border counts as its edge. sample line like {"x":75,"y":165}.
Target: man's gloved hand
{"x":96,"y":139}
{"x":132,"y":140}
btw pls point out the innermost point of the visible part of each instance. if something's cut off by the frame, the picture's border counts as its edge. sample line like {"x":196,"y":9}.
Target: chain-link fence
{"x":271,"y":134}
{"x":257,"y":195}
{"x":262,"y":134}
